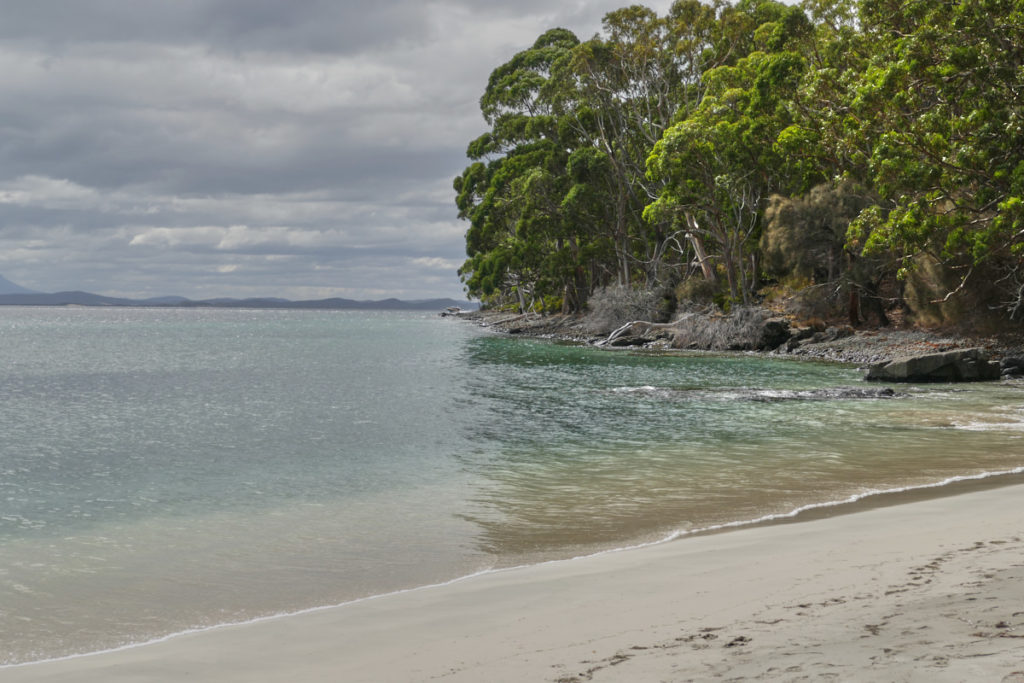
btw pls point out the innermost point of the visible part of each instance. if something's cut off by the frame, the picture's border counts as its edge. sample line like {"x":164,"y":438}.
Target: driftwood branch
{"x":514,"y":318}
{"x":630,"y":327}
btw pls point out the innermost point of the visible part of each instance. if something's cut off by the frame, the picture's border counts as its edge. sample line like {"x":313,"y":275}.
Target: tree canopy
{"x":665,"y":147}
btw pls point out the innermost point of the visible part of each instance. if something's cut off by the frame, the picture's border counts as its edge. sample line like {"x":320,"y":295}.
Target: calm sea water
{"x":167,"y":470}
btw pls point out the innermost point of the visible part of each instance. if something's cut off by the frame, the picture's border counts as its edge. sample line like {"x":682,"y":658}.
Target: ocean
{"x":168,"y":470}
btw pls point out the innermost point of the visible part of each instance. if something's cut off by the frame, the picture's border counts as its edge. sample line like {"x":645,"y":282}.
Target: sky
{"x":202,"y":148}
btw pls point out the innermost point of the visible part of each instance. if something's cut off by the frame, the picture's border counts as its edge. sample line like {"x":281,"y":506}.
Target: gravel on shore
{"x":862,"y":347}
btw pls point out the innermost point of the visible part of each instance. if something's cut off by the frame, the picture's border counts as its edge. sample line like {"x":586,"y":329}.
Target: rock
{"x":961,"y":365}
{"x":628,"y":340}
{"x":802,"y":336}
{"x":838,"y":393}
{"x":1011,"y":366}
{"x":831,"y":334}
{"x":801,"y":333}
{"x":774,"y":334}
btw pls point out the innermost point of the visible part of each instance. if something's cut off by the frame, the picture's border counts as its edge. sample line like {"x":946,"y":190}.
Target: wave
{"x":1016,"y":425}
{"x":855,"y":498}
{"x":646,"y":389}
{"x":674,"y":536}
{"x":763,"y":395}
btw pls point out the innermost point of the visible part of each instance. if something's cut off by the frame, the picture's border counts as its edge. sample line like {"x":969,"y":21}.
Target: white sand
{"x":925,"y":591}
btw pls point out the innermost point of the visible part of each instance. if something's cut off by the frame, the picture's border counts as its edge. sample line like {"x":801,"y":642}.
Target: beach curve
{"x":929,"y":590}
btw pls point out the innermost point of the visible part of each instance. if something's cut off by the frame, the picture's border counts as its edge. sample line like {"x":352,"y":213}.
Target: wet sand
{"x":931,"y":590}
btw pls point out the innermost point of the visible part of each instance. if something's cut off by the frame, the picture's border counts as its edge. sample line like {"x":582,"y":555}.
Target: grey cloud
{"x":319,"y":136}
{"x":331,"y":26}
{"x":232,"y":25}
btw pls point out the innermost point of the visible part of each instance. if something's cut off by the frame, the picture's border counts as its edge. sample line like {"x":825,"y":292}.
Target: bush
{"x":549,"y":304}
{"x":744,"y":329}
{"x":804,"y":236}
{"x":826,"y":302}
{"x":614,"y":306}
{"x":696,"y":290}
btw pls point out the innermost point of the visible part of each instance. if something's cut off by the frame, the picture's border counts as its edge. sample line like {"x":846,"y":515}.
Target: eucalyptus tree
{"x":719,"y":165}
{"x":511,"y":194}
{"x":556,"y":193}
{"x":619,"y":92}
{"x":944,"y":86}
{"x":827,"y":147}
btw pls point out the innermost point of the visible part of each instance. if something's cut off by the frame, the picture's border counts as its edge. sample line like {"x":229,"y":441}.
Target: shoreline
{"x":826,"y":511}
{"x":110,"y":663}
{"x":860,"y":347}
{"x":734,"y":604}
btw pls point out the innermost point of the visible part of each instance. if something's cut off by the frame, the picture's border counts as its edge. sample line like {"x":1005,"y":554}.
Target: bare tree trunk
{"x":744,"y":286}
{"x":522,"y":299}
{"x":698,"y":248}
{"x":622,"y":233}
{"x":730,"y":274}
{"x":755,"y":273}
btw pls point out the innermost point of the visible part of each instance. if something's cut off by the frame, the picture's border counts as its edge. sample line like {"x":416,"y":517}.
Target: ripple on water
{"x":167,"y":470}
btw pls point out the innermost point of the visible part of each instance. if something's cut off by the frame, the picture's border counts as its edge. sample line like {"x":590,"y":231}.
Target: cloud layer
{"x":247,"y":147}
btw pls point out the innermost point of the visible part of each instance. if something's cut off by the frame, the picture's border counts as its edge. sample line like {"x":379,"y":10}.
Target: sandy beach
{"x":931,"y":590}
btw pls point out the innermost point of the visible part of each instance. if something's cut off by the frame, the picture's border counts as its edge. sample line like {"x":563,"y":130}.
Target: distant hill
{"x":62,"y":299}
{"x":333,"y":303}
{"x":8,"y":287}
{"x":28,"y":298}
{"x":164,"y":300}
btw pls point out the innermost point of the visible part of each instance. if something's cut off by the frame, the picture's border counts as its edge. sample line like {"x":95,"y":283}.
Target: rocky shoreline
{"x":774,"y":337}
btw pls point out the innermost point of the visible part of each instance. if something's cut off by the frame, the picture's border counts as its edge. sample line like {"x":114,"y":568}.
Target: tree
{"x":555,"y":199}
{"x":720,"y":164}
{"x":620,"y":91}
{"x":512,"y":192}
{"x":944,"y":86}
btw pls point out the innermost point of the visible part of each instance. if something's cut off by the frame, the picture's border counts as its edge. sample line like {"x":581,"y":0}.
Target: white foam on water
{"x":636,"y":390}
{"x":1009,"y":421}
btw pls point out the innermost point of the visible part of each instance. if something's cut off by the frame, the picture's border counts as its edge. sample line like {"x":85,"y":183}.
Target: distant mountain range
{"x":15,"y":295}
{"x":8,"y":287}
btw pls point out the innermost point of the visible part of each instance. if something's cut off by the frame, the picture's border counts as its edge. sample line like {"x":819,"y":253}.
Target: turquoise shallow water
{"x":163,"y":470}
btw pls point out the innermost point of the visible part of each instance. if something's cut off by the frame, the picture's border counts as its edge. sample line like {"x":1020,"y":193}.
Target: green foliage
{"x":720,"y":164}
{"x":942,"y":86}
{"x":738,"y":129}
{"x":805,"y":237}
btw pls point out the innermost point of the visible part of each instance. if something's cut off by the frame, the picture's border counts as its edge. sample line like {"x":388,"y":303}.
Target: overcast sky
{"x":203,"y":148}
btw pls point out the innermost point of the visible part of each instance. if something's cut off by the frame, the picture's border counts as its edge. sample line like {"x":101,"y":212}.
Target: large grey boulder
{"x":961,"y":365}
{"x":1012,"y":366}
{"x":774,"y":334}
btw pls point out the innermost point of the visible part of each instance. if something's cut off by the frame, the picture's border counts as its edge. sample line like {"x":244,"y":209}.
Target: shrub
{"x":742,"y":330}
{"x":549,"y":304}
{"x":804,"y":236}
{"x":614,"y":306}
{"x":696,"y":290}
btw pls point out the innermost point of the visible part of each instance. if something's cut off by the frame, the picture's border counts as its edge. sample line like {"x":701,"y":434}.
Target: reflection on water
{"x":602,"y":449}
{"x":166,"y":470}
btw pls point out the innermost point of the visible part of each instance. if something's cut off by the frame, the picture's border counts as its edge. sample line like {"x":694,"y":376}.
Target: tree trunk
{"x":744,"y":285}
{"x":755,"y":273}
{"x":874,"y":303}
{"x":730,"y":275}
{"x":698,"y":248}
{"x":854,"y":308}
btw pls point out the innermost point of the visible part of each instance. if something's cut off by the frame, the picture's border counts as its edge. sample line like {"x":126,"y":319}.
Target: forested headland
{"x":855,"y":160}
